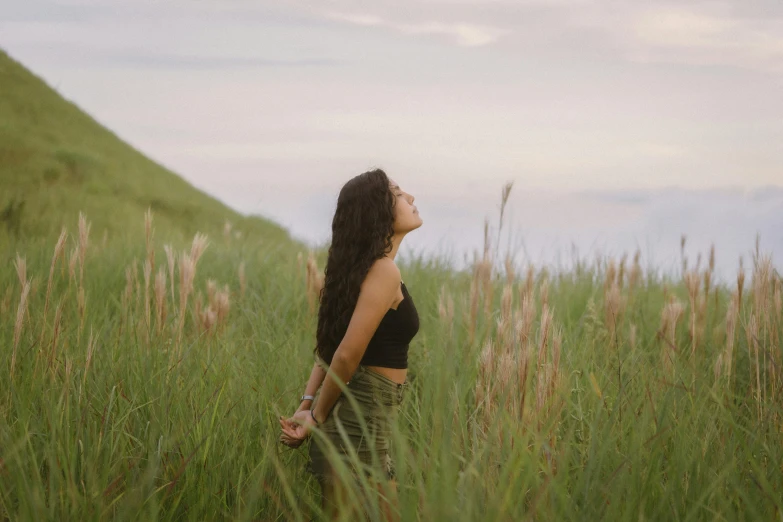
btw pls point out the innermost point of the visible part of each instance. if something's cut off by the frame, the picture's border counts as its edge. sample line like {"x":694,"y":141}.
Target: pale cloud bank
{"x":464,"y":34}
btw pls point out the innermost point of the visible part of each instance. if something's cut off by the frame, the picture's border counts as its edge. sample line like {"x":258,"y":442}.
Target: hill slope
{"x":55,"y":161}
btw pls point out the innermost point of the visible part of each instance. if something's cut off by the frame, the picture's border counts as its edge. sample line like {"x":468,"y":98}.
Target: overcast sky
{"x":269,"y":105}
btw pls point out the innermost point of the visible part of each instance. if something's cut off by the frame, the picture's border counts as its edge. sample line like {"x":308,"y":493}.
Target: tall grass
{"x":144,"y":382}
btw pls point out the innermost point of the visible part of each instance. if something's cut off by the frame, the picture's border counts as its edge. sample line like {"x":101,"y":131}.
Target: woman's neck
{"x":396,"y":240}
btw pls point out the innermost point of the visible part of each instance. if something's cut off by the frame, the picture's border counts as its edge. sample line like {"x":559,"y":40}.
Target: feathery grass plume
{"x":446,"y":306}
{"x":692,"y":280}
{"x":525,"y":327}
{"x":474,"y":305}
{"x":137,"y":285}
{"x":200,"y":243}
{"x":505,"y":385}
{"x":762,"y":283}
{"x":149,"y":232}
{"x":487,"y":240}
{"x":211,"y":290}
{"x":544,"y":332}
{"x":208,"y":319}
{"x":171,"y":259}
{"x":91,"y":341}
{"x":777,"y":299}
{"x":610,"y":276}
{"x":58,"y":251}
{"x":222,"y":304}
{"x":81,"y":303}
{"x":20,"y":264}
{"x":20,"y":313}
{"x":484,"y":383}
{"x":147,"y":301}
{"x":752,"y":337}
{"x":732,"y":315}
{"x":527,"y":289}
{"x":544,"y":289}
{"x":523,"y":370}
{"x":160,"y":299}
{"x":73,"y":260}
{"x":84,"y":240}
{"x":710,"y":271}
{"x":763,"y":298}
{"x":485,"y":276}
{"x":670,"y":316}
{"x":506,"y":320}
{"x":187,"y":272}
{"x":314,"y":283}
{"x":613,"y":309}
{"x":242,"y":280}
{"x":58,"y":314}
{"x":740,"y":282}
{"x":621,"y":271}
{"x":198,"y":309}
{"x":557,"y":345}
{"x":504,"y":194}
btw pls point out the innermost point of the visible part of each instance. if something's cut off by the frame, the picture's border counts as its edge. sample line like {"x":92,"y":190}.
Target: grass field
{"x":602,"y":393}
{"x":145,"y":371}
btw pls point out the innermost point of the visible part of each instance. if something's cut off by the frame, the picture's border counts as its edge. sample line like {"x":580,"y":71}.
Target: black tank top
{"x":388,"y":347}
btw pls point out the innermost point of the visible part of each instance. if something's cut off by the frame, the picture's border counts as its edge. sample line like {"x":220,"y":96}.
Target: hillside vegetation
{"x":56,"y":161}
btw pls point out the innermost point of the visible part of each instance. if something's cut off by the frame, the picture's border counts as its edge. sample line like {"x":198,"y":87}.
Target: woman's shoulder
{"x":384,"y":270}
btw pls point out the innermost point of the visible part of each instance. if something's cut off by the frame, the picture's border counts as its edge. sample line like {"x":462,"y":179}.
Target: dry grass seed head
{"x":544,"y":289}
{"x":84,"y":238}
{"x":200,"y":243}
{"x":160,"y":297}
{"x":445,"y":305}
{"x":20,"y":313}
{"x":20,"y":264}
{"x":621,"y":271}
{"x":506,"y":303}
{"x":73,"y":260}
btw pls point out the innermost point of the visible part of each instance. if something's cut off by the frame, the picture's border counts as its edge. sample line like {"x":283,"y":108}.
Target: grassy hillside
{"x":55,"y":161}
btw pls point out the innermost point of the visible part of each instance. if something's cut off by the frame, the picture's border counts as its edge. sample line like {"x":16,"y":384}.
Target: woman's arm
{"x":378,"y":293}
{"x":313,"y":383}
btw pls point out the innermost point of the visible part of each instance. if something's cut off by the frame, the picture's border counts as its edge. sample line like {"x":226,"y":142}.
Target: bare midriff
{"x":397,"y":375}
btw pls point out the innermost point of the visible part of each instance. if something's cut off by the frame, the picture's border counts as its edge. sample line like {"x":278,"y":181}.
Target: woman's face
{"x":406,"y":216}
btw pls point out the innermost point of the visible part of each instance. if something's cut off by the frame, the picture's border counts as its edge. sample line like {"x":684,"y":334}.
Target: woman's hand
{"x":296,"y":429}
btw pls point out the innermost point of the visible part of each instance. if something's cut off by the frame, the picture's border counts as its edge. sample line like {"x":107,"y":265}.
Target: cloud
{"x":169,"y":61}
{"x":683,"y":35}
{"x":464,"y":34}
{"x":659,"y":31}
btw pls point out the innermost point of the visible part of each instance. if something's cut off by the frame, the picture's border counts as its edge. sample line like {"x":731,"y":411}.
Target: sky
{"x":622,"y":124}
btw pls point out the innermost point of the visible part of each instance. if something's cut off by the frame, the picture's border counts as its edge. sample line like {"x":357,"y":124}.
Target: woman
{"x":366,"y":320}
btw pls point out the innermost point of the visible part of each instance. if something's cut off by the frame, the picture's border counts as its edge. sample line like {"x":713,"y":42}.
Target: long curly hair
{"x":362,"y":231}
